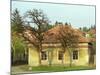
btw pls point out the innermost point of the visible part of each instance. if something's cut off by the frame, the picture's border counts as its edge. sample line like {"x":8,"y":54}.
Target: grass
{"x":60,"y":68}
{"x":42,"y":69}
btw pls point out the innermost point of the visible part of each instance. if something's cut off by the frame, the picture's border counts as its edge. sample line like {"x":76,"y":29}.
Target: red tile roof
{"x":51,"y":35}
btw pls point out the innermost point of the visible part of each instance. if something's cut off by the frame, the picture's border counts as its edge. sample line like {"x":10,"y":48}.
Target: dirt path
{"x":19,"y":69}
{"x":23,"y":69}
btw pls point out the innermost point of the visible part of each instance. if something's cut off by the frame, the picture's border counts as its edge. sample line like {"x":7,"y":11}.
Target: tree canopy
{"x":17,"y":22}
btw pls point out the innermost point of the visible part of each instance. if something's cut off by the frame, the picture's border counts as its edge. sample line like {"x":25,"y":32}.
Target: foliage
{"x":94,"y":47}
{"x":68,"y":39}
{"x":17,"y":23}
{"x":18,"y":45}
{"x":40,"y":22}
{"x":50,"y":26}
{"x":58,"y":23}
{"x":66,"y":23}
{"x":86,"y":29}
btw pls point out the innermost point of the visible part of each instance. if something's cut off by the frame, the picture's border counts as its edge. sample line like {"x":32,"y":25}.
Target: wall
{"x":33,"y":59}
{"x":83,"y":55}
{"x":52,"y":52}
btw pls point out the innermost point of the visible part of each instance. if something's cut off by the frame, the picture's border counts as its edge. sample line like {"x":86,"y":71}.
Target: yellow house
{"x":52,"y":53}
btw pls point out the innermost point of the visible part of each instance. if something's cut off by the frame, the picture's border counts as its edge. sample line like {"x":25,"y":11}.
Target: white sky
{"x":77,"y":15}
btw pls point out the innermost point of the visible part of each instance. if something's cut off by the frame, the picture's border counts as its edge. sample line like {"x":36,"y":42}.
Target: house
{"x":52,"y":53}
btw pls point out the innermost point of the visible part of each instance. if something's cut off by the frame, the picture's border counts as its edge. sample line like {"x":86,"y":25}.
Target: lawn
{"x":60,"y":68}
{"x":42,"y":69}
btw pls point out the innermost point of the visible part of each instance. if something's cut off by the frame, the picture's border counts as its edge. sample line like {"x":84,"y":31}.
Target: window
{"x":43,"y":55}
{"x":60,"y":55}
{"x":75,"y":55}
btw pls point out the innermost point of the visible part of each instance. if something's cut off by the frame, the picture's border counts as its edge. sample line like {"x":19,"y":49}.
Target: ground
{"x":27,"y":69}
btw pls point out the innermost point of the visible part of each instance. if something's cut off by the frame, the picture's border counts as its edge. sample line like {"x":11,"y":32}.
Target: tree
{"x":50,"y":26}
{"x":92,"y":52}
{"x":40,"y":23}
{"x":85,"y":29}
{"x":68,"y":39}
{"x":18,"y":45}
{"x":17,"y":23}
{"x":66,"y":23}
{"x":80,"y":28}
{"x":56,"y":23}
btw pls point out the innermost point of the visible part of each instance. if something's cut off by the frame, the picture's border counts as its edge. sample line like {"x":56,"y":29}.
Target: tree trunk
{"x":63,"y":55}
{"x":49,"y":57}
{"x":70,"y":59}
{"x":70,"y":54}
{"x":14,"y":52}
{"x":39,"y":57}
{"x":63,"y":59}
{"x":40,"y":50}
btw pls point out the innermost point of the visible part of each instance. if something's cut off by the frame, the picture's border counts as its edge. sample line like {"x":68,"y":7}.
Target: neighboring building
{"x":52,"y":53}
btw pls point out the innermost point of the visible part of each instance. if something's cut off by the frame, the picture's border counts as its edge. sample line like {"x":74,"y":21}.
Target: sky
{"x":77,"y":15}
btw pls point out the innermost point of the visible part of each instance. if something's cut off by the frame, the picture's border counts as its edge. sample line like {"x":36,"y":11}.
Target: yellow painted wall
{"x":83,"y":56}
{"x":33,"y":59}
